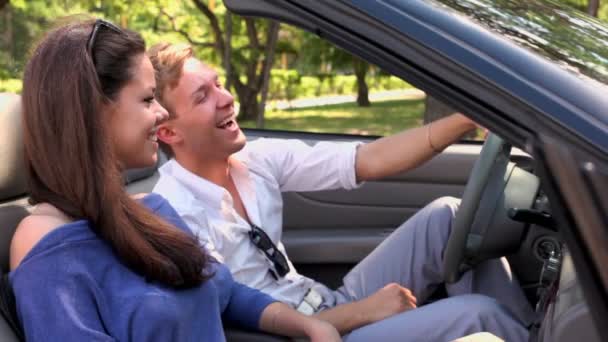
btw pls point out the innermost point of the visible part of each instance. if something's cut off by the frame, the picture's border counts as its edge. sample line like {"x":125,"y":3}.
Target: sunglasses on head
{"x":263,"y":242}
{"x":99,"y":24}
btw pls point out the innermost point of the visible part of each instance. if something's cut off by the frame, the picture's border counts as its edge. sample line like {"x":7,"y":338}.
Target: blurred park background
{"x":282,"y":77}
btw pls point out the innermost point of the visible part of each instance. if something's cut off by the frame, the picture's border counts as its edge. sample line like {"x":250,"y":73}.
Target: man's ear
{"x":167,"y":134}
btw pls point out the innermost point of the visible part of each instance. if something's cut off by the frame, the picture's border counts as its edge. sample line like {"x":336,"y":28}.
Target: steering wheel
{"x":461,"y":247}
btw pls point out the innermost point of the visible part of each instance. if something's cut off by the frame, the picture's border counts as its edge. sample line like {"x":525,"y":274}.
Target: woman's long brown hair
{"x":70,"y":160}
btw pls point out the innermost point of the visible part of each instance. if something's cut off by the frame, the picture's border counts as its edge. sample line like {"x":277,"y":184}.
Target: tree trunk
{"x":362,"y":89}
{"x":249,"y":109}
{"x":215,"y":26}
{"x":271,"y":43}
{"x":247,"y":94}
{"x":228,"y":51}
{"x":9,"y":39}
{"x":593,"y":7}
{"x":248,"y":99}
{"x":3,"y":3}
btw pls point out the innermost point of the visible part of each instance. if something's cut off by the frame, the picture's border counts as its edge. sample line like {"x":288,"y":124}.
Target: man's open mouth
{"x":226,"y":123}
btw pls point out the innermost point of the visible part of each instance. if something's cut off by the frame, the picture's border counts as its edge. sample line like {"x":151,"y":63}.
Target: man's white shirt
{"x":261,"y":171}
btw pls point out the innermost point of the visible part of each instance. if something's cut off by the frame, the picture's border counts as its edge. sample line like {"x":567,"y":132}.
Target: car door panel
{"x":327,"y":232}
{"x":338,"y":228}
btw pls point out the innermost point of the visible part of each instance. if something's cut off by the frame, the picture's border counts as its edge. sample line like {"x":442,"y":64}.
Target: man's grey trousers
{"x":487,"y":298}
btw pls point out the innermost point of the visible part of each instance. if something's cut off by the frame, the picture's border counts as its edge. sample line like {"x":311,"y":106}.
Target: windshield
{"x":573,"y":40}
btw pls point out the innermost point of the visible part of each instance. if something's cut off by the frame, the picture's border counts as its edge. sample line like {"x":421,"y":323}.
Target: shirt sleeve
{"x":245,"y":305}
{"x":298,"y":166}
{"x":63,"y":308}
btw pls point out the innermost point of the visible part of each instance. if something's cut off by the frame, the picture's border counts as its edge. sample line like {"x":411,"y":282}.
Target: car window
{"x":328,"y":90}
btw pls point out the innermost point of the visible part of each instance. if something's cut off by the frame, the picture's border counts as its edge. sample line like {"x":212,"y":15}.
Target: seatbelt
{"x":7,"y":306}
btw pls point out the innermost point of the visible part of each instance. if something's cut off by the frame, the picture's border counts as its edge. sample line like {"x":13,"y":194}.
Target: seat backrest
{"x":13,"y":200}
{"x":13,"y":205}
{"x":12,"y":176}
{"x":143,"y":180}
{"x":13,"y":189}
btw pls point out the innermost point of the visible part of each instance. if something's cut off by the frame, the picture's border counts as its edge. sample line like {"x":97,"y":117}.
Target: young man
{"x":226,"y":190}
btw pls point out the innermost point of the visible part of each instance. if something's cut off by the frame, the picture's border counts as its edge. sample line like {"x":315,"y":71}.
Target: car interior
{"x":328,"y":232}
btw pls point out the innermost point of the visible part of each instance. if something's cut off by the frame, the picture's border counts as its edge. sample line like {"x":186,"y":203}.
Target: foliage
{"x":289,"y":84}
{"x":284,"y":84}
{"x":384,"y":118}
{"x":317,"y":56}
{"x":305,"y":66}
{"x":10,"y":85}
{"x":24,"y":22}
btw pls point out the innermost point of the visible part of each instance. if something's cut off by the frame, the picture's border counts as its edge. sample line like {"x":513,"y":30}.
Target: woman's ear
{"x":108,"y":112}
{"x":108,"y":108}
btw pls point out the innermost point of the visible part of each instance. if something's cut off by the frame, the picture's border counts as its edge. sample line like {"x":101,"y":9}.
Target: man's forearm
{"x":345,"y":317}
{"x":408,"y":149}
{"x":281,"y":319}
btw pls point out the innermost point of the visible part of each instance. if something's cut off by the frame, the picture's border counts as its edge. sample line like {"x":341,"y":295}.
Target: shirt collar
{"x":208,"y":192}
{"x":246,"y":187}
{"x":213,"y":195}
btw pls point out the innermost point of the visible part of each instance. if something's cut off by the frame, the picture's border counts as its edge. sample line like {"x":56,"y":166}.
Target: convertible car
{"x":534,"y":73}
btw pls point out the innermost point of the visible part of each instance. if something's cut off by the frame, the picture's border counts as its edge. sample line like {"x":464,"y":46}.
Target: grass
{"x":382,"y":118}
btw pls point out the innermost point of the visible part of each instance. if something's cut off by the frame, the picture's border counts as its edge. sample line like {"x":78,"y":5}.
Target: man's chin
{"x":225,"y":147}
{"x":239,"y":142}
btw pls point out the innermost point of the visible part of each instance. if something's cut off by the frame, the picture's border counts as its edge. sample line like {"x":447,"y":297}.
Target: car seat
{"x":14,"y":207}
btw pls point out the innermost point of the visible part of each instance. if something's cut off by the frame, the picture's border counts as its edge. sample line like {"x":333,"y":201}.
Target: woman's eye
{"x":149,"y":100}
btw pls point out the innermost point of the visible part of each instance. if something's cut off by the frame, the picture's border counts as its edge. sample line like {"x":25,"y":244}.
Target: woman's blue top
{"x":72,"y":287}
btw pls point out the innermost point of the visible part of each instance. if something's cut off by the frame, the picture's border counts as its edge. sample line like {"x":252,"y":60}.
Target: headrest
{"x":134,"y":175}
{"x":12,"y":170}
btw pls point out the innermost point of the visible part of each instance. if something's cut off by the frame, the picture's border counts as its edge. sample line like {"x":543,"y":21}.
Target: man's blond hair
{"x":168,"y":61}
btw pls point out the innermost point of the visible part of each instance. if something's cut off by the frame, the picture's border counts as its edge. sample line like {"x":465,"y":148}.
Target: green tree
{"x":324,"y":59}
{"x":22,"y":22}
{"x":591,"y":7}
{"x":246,"y":57}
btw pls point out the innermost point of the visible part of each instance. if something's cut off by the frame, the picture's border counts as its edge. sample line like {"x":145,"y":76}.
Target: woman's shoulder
{"x":44,"y":219}
{"x":161,"y":207}
{"x":152,"y":200}
{"x":155,"y":203}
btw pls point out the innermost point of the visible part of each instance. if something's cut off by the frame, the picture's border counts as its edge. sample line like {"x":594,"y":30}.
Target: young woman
{"x":92,"y":263}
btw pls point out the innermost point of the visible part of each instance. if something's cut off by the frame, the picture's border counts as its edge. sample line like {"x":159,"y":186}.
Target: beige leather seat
{"x":14,"y":206}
